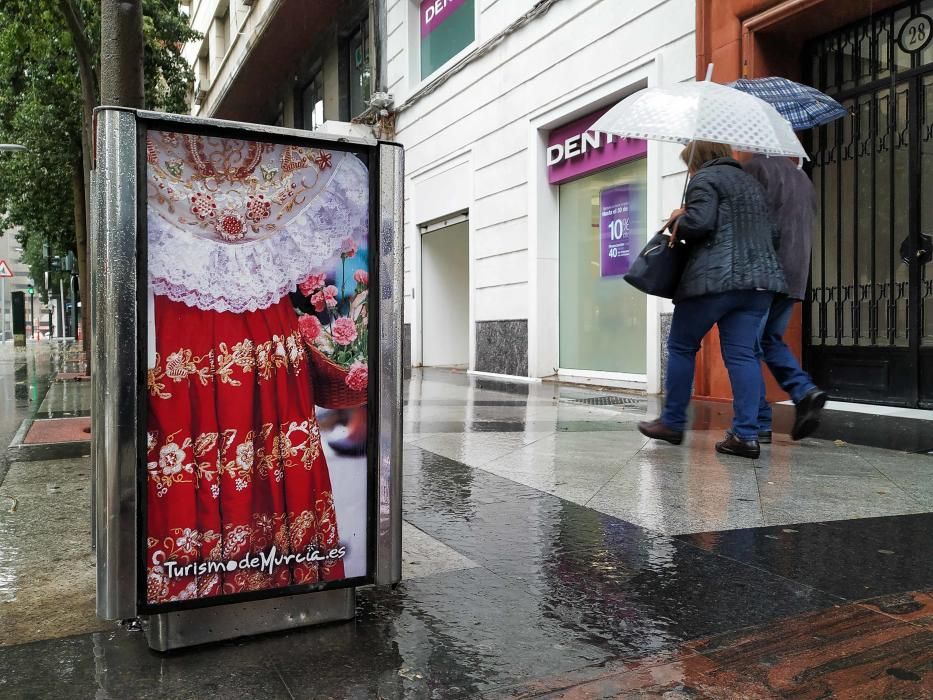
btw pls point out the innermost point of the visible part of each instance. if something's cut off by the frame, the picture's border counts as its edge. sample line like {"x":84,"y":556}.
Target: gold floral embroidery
{"x":204,"y":446}
{"x":264,"y":359}
{"x":301,"y":440}
{"x":153,"y":380}
{"x":240,"y":356}
{"x":179,"y":365}
{"x":302,"y":531}
{"x":296,"y":351}
{"x":240,"y":467}
{"x":281,"y":352}
{"x":267,"y":463}
{"x":327,"y":519}
{"x":171,"y":467}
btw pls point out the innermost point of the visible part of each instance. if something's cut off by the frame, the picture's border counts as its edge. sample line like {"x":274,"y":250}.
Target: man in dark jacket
{"x":792,"y":201}
{"x":730,"y":278}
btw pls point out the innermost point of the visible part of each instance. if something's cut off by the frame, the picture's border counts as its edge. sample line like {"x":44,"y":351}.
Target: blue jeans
{"x":739,"y":316}
{"x":780,"y":360}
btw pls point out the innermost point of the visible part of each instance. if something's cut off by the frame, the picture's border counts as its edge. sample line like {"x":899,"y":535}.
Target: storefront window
{"x":602,"y":226}
{"x":447,"y":27}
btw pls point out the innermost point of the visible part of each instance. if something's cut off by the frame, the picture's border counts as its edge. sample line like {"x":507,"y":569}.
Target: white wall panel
{"x":507,"y":268}
{"x":502,"y":206}
{"x":501,"y":237}
{"x":501,"y":303}
{"x":506,"y":172}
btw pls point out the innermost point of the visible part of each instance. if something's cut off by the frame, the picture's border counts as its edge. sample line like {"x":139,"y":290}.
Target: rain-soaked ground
{"x":549,"y":551}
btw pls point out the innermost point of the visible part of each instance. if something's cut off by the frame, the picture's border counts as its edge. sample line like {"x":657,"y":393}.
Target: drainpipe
{"x":378,"y":12}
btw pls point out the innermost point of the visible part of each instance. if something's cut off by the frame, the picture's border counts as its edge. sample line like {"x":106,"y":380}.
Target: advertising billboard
{"x":258,"y":473}
{"x":616,"y":228}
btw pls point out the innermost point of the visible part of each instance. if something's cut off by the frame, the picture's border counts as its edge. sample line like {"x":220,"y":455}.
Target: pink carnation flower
{"x":361,"y":277}
{"x":310,"y":328}
{"x":327,"y":297}
{"x":312,"y":284}
{"x":358,"y":377}
{"x":344,"y":331}
{"x":348,"y":248}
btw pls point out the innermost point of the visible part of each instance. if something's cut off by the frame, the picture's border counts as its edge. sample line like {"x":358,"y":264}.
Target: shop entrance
{"x":870,"y":316}
{"x":445,"y":289}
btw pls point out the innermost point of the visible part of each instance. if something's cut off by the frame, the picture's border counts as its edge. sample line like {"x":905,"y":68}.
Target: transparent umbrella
{"x":703,"y":111}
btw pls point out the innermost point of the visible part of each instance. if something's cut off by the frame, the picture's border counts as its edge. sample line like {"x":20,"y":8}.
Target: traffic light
{"x":30,"y":290}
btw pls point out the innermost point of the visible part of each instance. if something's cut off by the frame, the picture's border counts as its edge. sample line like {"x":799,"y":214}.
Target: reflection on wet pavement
{"x":550,"y":551}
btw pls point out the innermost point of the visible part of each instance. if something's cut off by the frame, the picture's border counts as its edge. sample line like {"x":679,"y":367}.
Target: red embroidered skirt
{"x":235,"y":465}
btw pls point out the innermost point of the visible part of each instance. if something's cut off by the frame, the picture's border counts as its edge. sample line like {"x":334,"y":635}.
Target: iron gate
{"x":870,"y":313}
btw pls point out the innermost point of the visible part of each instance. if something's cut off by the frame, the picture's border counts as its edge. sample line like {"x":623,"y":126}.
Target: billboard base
{"x":186,"y":628}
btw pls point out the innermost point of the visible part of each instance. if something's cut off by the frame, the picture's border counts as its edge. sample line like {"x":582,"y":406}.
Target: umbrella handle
{"x":800,"y":163}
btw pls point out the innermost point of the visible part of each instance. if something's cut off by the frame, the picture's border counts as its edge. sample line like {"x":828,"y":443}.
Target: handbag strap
{"x":670,"y":243}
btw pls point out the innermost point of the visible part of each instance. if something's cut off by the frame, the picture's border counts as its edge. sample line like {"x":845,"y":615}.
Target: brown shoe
{"x":732,"y":445}
{"x":656,"y":430}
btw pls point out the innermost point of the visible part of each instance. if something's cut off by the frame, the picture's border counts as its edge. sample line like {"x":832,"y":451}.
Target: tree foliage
{"x":41,"y":108}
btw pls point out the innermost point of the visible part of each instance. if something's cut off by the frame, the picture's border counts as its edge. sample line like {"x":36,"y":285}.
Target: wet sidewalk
{"x":549,"y":551}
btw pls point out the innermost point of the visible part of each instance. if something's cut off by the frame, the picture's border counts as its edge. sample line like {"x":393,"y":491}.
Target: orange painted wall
{"x":774,"y":47}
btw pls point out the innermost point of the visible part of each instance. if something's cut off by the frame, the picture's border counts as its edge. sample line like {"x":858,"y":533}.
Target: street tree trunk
{"x":121,"y":53}
{"x":81,"y":181}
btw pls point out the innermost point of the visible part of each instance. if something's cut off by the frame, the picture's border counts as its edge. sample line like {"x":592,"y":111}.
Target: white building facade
{"x":519,"y":221}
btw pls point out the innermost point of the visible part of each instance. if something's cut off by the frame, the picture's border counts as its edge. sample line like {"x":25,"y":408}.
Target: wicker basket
{"x":329,"y":381}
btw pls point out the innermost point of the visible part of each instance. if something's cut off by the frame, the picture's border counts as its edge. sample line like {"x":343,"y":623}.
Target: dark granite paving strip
{"x":853,"y":559}
{"x":454,"y":635}
{"x":633,"y":592}
{"x":119,"y":665}
{"x":887,"y":432}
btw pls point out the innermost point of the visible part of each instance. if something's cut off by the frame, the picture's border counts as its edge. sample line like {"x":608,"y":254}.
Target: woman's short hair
{"x":703,"y":152}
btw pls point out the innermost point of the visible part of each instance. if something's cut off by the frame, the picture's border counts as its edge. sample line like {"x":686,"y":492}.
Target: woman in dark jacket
{"x":730,"y":278}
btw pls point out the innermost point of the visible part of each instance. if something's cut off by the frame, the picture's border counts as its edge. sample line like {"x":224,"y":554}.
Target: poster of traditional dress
{"x":258,"y":366}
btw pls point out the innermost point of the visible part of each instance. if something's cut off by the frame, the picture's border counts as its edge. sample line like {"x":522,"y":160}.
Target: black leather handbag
{"x":659,"y":266}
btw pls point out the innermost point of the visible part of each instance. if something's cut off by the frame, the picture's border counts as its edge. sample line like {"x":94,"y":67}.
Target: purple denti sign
{"x":573,"y":150}
{"x":434,"y":12}
{"x":615,"y":230}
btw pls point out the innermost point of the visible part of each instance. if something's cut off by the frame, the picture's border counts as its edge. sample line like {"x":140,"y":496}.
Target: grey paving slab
{"x":477,"y":449}
{"x":422,"y":555}
{"x":47,"y":568}
{"x":805,"y":498}
{"x":698,"y":497}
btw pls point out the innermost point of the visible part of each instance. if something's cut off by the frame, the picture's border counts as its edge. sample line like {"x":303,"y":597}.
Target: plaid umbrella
{"x":803,"y":106}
